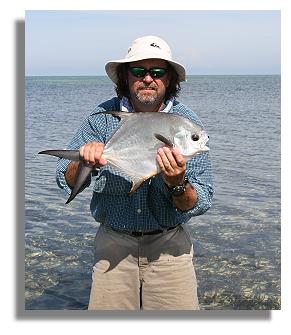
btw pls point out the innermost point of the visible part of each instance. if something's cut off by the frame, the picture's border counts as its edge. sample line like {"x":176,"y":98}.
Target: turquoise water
{"x":236,"y":243}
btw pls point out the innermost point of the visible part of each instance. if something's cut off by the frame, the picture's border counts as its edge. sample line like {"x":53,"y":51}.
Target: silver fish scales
{"x":133,"y":145}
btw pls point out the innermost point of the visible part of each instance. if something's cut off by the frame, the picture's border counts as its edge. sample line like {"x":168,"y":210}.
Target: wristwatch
{"x":179,"y":189}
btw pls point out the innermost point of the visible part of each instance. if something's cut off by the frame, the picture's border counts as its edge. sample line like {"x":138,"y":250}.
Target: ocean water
{"x":236,"y":243}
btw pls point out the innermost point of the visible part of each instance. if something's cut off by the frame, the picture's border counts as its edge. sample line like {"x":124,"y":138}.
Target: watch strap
{"x":178,"y":189}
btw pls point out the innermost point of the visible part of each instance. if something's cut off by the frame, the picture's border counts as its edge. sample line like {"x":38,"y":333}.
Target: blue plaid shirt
{"x":150,"y":207}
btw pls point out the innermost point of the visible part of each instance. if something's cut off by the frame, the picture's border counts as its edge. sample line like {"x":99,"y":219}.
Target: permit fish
{"x":133,"y":145}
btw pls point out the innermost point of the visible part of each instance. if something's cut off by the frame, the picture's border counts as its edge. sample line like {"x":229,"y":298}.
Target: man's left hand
{"x":172,"y":165}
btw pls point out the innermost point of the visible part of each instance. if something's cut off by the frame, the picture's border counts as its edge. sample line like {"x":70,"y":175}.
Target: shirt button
{"x":139,"y":211}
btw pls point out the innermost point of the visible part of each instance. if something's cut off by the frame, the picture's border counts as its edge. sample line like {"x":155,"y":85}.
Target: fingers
{"x":170,"y":159}
{"x":180,"y":160}
{"x":92,"y":153}
{"x":172,"y":165}
{"x":166,"y":160}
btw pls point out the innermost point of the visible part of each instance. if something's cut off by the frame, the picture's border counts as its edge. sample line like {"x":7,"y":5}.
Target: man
{"x":143,"y":256}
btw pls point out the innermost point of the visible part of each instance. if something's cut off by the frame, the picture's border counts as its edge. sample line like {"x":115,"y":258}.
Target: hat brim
{"x":111,"y":67}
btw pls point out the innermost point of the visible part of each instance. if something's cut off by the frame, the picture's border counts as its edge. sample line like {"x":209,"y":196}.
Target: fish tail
{"x":82,"y":174}
{"x":72,"y":155}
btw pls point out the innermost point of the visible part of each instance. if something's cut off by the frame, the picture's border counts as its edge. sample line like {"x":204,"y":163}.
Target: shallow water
{"x":237,"y":242}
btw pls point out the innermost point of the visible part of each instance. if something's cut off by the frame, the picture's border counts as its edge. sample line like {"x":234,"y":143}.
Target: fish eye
{"x":195,"y":137}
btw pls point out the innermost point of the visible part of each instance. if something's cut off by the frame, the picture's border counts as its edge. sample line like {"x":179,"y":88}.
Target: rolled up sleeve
{"x":200,"y":177}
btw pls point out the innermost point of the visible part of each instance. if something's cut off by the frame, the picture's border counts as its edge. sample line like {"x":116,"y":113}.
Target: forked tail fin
{"x":83,"y":172}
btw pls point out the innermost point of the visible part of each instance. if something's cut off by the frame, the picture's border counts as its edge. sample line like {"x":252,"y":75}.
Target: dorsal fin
{"x":119,"y":114}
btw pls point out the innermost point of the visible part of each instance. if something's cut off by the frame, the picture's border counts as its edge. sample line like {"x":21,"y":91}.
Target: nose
{"x":147,"y":78}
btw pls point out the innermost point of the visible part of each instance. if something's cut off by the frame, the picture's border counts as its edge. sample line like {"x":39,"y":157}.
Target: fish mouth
{"x":204,"y":148}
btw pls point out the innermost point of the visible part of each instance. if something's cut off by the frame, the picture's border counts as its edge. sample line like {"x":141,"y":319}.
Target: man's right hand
{"x":91,"y":153}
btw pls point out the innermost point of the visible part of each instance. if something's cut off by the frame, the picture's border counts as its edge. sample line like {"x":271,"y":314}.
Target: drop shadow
{"x":20,"y":163}
{"x":20,"y":312}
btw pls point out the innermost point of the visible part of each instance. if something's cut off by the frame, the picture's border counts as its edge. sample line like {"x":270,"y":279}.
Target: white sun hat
{"x":145,"y":48}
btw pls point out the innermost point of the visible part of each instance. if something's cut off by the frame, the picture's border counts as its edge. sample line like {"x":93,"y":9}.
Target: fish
{"x":133,"y":145}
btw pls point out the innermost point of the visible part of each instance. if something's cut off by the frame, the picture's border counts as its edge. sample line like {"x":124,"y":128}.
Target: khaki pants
{"x":152,"y":272}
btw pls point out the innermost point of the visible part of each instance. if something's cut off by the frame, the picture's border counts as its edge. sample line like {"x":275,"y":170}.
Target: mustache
{"x":142,"y":86}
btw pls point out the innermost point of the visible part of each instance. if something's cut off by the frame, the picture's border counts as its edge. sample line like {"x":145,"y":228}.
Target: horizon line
{"x":200,"y":74}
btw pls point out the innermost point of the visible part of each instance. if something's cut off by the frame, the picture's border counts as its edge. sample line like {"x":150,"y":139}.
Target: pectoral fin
{"x":165,"y":140}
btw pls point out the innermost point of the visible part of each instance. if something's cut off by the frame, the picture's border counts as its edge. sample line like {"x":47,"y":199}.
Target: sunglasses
{"x":155,"y":72}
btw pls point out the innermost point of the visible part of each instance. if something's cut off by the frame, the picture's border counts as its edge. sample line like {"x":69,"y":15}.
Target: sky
{"x":204,"y":41}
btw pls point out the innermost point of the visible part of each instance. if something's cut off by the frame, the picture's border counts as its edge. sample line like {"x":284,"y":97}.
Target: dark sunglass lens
{"x":157,"y":72}
{"x":138,"y":71}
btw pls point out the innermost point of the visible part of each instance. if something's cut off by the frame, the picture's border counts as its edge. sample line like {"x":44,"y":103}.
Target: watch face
{"x":178,"y":190}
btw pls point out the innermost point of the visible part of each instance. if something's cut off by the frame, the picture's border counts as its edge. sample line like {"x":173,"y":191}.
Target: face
{"x":147,"y":92}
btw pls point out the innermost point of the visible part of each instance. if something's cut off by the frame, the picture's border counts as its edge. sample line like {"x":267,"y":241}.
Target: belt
{"x":141,"y":233}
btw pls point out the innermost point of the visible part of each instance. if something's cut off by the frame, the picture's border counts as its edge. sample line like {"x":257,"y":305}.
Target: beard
{"x":148,"y":97}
